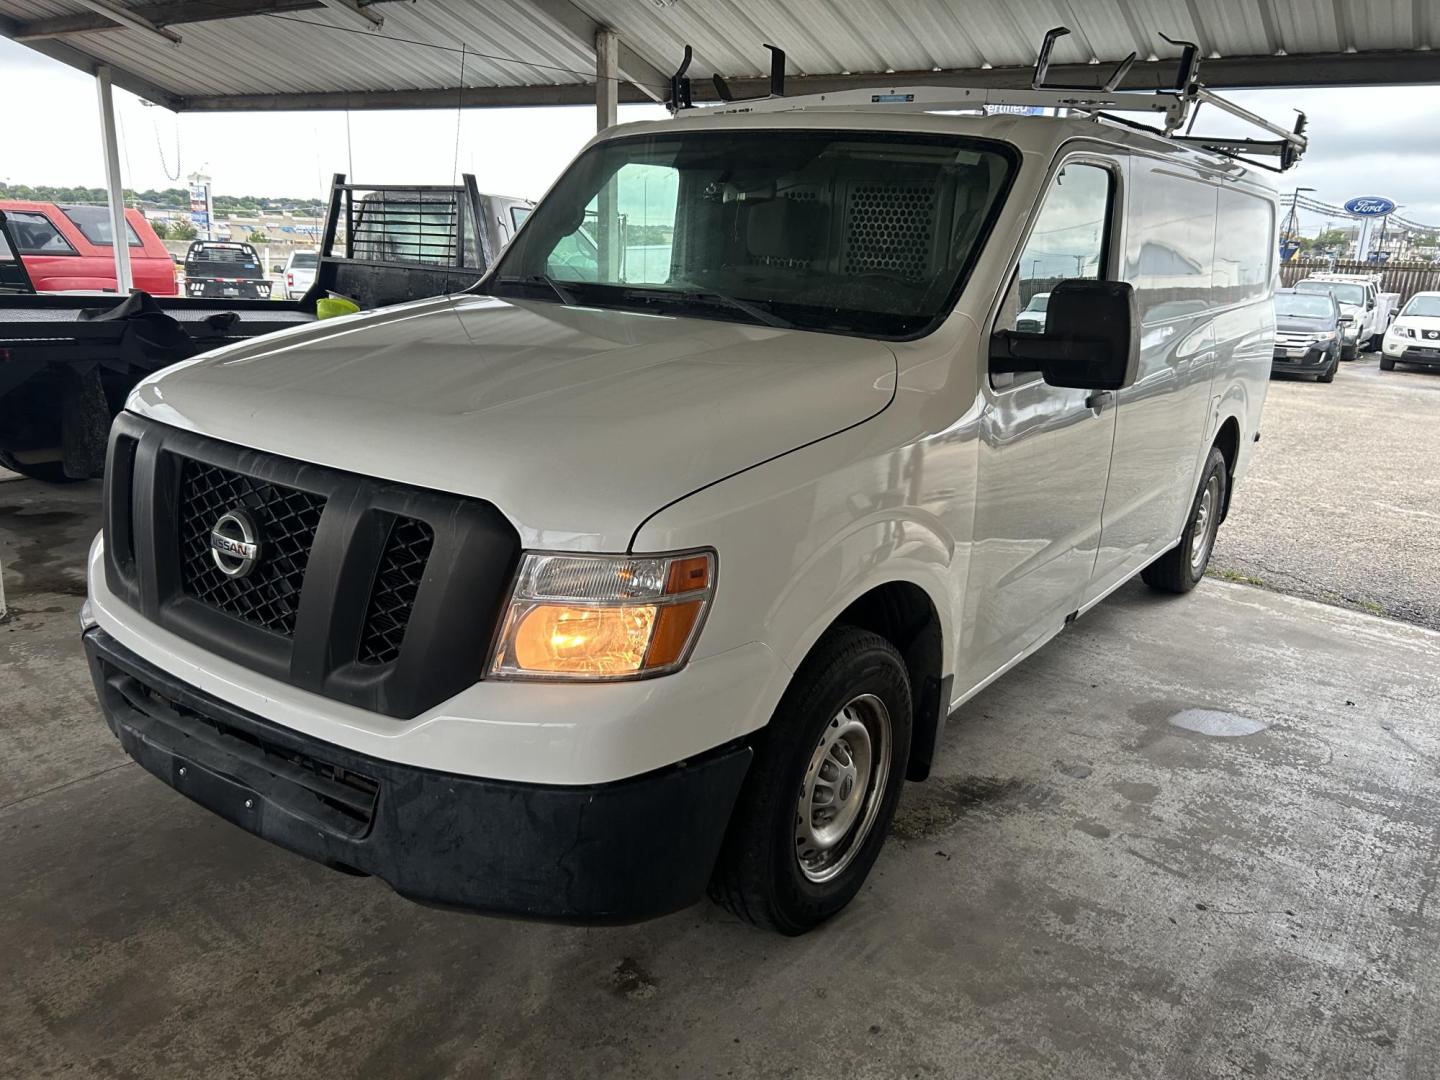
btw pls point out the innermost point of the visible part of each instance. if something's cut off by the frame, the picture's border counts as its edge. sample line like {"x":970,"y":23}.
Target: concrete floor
{"x":1096,"y":883}
{"x":1342,"y":502}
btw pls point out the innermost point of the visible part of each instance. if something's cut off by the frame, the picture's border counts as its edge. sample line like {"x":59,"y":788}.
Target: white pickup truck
{"x":614,"y":577}
{"x":1370,"y":310}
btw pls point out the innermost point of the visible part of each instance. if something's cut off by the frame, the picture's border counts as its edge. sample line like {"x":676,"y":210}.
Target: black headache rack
{"x":389,"y":243}
{"x":68,"y":361}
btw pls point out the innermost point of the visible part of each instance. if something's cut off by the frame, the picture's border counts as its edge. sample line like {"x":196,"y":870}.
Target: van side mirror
{"x":1090,"y":340}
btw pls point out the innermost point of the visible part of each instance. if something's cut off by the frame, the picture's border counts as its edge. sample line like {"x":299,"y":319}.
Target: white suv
{"x":659,"y":560}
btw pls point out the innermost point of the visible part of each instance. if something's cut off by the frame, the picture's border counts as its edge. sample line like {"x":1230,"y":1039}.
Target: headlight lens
{"x":1325,"y":335}
{"x":1402,"y":331}
{"x":596,"y":617}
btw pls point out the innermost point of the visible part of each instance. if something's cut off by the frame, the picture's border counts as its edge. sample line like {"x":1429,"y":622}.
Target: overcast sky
{"x":1362,"y":141}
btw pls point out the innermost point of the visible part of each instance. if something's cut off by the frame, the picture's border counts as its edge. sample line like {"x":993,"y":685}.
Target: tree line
{"x":167,"y":199}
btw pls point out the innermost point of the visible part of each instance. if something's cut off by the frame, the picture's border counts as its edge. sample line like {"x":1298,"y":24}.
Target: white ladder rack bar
{"x":1169,"y":103}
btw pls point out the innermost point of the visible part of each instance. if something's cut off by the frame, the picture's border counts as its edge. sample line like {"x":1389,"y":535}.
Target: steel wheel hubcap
{"x":1204,"y":525}
{"x":843,"y":787}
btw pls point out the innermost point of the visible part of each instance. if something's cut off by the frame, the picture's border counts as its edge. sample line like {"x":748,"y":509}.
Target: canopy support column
{"x":607,"y":79}
{"x":113,"y":186}
{"x":611,"y":229}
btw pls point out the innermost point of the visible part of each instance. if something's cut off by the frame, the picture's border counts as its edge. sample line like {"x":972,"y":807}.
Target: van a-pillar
{"x":113,"y":186}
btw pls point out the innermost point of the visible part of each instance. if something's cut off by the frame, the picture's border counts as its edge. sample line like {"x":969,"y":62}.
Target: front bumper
{"x":1402,"y":350}
{"x":1314,"y":358}
{"x":615,"y":852}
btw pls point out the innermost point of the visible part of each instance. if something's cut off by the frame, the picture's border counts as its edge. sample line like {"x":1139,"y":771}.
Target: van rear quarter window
{"x":1244,"y":246}
{"x":1170,"y":241}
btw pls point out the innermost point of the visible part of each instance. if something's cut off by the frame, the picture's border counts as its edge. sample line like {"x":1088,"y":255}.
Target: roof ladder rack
{"x":1174,"y":107}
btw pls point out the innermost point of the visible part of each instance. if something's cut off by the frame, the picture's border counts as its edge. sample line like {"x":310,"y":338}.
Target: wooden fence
{"x":1404,"y":278}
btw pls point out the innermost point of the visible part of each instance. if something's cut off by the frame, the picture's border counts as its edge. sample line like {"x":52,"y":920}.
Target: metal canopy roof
{"x":319,"y":54}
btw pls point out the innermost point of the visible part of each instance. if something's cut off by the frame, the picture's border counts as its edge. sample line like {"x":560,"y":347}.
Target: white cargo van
{"x":623,"y":575}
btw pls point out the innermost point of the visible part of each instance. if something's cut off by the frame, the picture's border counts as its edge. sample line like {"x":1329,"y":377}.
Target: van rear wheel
{"x":1180,"y":569}
{"x":818,"y":801}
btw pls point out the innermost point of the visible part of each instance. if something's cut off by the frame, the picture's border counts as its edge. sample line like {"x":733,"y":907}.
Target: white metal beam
{"x":115,"y":188}
{"x":125,"y":17}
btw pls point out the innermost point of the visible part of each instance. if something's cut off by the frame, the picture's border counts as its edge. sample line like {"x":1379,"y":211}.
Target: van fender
{"x":911,"y":547}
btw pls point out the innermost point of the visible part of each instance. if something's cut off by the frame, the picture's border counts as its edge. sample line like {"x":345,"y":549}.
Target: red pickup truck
{"x":68,"y":248}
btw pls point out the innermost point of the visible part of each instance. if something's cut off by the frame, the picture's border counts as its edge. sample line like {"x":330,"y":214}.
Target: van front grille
{"x":286,"y":518}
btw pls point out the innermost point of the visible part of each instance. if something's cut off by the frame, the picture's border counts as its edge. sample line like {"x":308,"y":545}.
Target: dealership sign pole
{"x":1367,"y":208}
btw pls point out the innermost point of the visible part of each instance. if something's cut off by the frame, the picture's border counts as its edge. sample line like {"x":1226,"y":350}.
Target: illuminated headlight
{"x":599,"y":617}
{"x":1402,"y":331}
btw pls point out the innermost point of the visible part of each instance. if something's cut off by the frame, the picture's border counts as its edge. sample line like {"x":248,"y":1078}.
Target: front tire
{"x":818,"y":801}
{"x":1387,"y":363}
{"x":1180,"y":569}
{"x":1349,"y":352}
{"x":1328,"y":375}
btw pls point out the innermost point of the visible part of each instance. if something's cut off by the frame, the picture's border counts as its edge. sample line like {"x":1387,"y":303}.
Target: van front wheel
{"x":817,"y":804}
{"x":1180,"y":569}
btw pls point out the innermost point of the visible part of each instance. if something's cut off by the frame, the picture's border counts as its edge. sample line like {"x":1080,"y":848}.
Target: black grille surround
{"x":345,"y":600}
{"x":269,"y":597}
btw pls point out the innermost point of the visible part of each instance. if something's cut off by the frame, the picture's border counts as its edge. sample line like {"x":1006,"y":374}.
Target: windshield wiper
{"x":755,"y":311}
{"x":566,"y":296}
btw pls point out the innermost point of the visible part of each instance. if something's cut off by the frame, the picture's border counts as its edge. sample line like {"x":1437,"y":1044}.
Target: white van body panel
{"x":817,"y":467}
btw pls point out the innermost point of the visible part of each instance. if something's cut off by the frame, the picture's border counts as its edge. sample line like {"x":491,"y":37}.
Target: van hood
{"x":577,"y":423}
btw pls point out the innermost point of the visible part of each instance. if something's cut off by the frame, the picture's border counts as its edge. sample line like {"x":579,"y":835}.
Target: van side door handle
{"x":1097,"y":401}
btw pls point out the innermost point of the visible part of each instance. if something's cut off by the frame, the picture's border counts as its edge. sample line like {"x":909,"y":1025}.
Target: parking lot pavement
{"x":1192,"y":837}
{"x":1342,"y":501}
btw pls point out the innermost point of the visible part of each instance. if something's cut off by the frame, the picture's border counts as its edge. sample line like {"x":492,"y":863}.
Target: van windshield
{"x":859,"y":233}
{"x":1302,"y":305}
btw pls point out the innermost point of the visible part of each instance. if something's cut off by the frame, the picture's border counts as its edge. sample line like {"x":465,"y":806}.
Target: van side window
{"x":1069,"y":240}
{"x":1169,"y":242}
{"x":1244,"y":246}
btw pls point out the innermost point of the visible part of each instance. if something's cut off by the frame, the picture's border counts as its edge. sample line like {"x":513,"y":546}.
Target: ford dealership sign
{"x":1370,"y":206}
